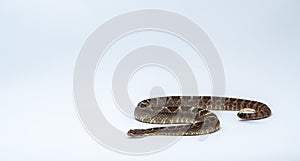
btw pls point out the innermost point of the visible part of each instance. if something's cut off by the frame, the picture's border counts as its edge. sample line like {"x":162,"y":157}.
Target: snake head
{"x":136,"y":133}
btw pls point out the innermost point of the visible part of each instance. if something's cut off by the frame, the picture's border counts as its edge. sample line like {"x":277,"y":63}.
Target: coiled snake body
{"x":193,"y":112}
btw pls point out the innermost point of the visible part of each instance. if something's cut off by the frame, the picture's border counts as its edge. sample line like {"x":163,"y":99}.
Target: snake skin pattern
{"x":193,"y":112}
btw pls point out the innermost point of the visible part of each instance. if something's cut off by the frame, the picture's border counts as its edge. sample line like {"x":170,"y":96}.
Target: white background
{"x":257,"y":41}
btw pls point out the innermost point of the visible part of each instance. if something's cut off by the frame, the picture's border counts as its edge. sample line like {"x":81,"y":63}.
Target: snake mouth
{"x":136,"y":133}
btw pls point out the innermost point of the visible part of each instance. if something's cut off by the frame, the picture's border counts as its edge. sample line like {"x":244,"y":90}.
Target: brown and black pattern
{"x":193,"y":111}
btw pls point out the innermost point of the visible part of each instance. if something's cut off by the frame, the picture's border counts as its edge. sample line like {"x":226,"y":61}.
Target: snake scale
{"x":193,"y":112}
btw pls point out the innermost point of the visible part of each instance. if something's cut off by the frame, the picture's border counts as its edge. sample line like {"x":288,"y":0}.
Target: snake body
{"x":193,"y":112}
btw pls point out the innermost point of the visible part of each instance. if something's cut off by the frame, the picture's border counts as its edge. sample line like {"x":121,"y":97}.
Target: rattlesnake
{"x":193,"y":111}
